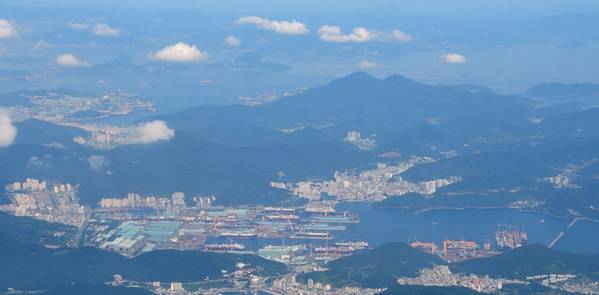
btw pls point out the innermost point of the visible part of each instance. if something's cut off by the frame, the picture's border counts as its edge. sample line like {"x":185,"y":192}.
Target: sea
{"x":379,"y":225}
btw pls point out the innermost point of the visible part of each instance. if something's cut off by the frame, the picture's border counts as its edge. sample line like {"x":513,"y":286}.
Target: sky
{"x":455,"y":8}
{"x":190,"y":47}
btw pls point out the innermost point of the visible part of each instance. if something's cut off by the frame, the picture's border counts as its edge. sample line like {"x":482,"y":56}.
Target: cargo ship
{"x":333,"y":250}
{"x":238,"y":234}
{"x":359,"y":245}
{"x":311,"y":235}
{"x":224,"y":247}
{"x":321,"y":227}
{"x":279,"y":209}
{"x":279,"y":217}
{"x":336,"y":218}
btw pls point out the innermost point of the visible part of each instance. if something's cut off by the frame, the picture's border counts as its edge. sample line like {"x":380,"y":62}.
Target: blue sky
{"x":458,"y":8}
{"x":507,"y":45}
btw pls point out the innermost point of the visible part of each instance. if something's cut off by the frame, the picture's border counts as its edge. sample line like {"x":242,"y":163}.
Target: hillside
{"x":26,"y":230}
{"x":531,"y":260}
{"x":22,"y":259}
{"x":427,"y":290}
{"x":376,"y":268}
{"x":94,"y":289}
{"x":560,"y":90}
{"x":54,"y":267}
{"x":234,"y":151}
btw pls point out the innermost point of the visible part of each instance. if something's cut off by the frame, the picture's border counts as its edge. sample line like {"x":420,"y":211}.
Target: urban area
{"x":302,"y":237}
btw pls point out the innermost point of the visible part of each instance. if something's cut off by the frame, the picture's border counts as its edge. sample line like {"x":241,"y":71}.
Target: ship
{"x":321,"y":226}
{"x":285,"y":217}
{"x":311,"y":235}
{"x":333,"y":250}
{"x":336,"y":218}
{"x":358,"y":245}
{"x":224,"y":247}
{"x":279,"y":209}
{"x":238,"y":234}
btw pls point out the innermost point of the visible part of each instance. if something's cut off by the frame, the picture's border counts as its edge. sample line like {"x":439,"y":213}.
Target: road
{"x":76,"y":241}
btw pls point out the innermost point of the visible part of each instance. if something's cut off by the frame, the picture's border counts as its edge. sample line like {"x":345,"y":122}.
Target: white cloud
{"x":7,"y":29}
{"x":232,"y":41}
{"x":453,"y":58}
{"x":8,"y":132}
{"x":70,"y":60}
{"x":55,"y":145}
{"x":78,"y":26}
{"x":367,"y":65}
{"x":283,"y":27}
{"x":180,"y":52}
{"x":400,"y":36}
{"x":39,"y":163}
{"x":535,"y":120}
{"x":153,"y":131}
{"x":333,"y":34}
{"x":97,"y":163}
{"x":101,"y":29}
{"x":41,"y":44}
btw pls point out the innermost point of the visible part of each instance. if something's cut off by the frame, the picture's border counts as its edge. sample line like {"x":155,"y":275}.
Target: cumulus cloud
{"x":367,"y":65}
{"x":334,"y":34}
{"x":78,"y":26}
{"x":41,"y":44}
{"x":39,"y":163}
{"x":55,"y":145}
{"x":70,"y":60}
{"x":97,"y":163}
{"x":8,"y":132}
{"x":150,"y":132}
{"x":453,"y":58}
{"x":232,"y":41}
{"x":7,"y":29}
{"x":101,"y":29}
{"x":283,"y":27}
{"x":400,"y":36}
{"x":180,"y":52}
{"x":535,"y":120}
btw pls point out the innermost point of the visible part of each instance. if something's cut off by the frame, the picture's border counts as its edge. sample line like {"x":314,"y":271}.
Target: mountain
{"x":560,"y":90}
{"x":94,"y":289}
{"x":55,"y":267}
{"x":558,"y":95}
{"x":510,"y":289}
{"x":234,"y":151}
{"x":27,"y":230}
{"x":22,"y":258}
{"x":376,"y":268}
{"x":531,"y":260}
{"x":185,"y":163}
{"x":427,"y":290}
{"x":403,"y":114}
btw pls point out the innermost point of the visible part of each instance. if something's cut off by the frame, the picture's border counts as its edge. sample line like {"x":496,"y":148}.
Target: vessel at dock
{"x":224,"y":247}
{"x":313,"y":235}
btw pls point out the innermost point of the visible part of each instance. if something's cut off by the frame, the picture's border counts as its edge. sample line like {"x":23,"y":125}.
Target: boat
{"x":238,"y":234}
{"x":354,"y":245}
{"x":224,"y":247}
{"x":312,"y":235}
{"x":285,"y":217}
{"x":322,"y":226}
